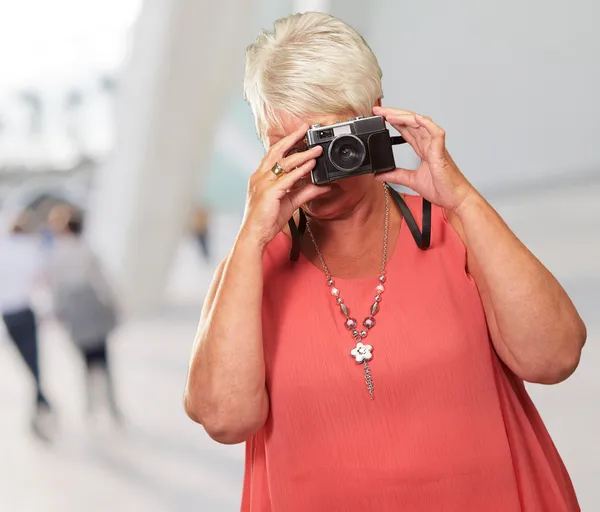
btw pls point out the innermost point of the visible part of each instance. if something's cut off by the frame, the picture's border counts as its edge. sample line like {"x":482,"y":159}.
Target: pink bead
{"x":380,"y":288}
{"x":335,"y":292}
{"x":350,"y":324}
{"x":369,"y":323}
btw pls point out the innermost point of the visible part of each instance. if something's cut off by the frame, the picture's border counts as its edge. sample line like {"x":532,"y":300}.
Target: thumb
{"x":399,"y":176}
{"x":306,"y":193}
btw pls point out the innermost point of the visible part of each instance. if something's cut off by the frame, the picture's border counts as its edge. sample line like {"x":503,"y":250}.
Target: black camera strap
{"x":422,"y":237}
{"x":297,"y":233}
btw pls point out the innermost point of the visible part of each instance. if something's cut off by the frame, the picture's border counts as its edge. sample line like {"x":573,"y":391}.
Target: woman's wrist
{"x":472,"y":201}
{"x":250,"y":239}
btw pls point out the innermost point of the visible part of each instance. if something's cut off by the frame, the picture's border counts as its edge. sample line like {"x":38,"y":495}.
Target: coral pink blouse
{"x":451,"y":428}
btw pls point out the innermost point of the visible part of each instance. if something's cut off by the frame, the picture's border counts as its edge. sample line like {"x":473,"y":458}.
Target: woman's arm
{"x":534,"y":326}
{"x":226,"y":391}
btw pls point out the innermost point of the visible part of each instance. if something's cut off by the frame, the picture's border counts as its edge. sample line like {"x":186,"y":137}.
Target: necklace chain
{"x":362,"y":352}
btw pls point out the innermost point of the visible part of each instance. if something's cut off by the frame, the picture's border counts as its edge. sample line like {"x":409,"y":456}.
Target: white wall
{"x":514,"y":83}
{"x":179,"y":74}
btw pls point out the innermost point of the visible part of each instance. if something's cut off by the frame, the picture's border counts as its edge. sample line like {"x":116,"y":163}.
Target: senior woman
{"x":429,"y":412}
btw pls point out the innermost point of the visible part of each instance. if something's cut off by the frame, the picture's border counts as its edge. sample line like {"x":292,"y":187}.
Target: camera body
{"x":358,"y":146}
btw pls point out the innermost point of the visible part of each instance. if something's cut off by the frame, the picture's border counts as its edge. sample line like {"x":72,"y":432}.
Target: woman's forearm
{"x":535,"y":326}
{"x":226,"y":383}
{"x":226,"y":389}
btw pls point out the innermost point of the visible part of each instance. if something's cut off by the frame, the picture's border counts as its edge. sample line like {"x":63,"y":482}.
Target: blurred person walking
{"x":83,"y":302}
{"x":20,"y":268}
{"x":200,"y":230}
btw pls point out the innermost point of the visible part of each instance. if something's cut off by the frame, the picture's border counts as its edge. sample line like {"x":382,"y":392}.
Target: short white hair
{"x":309,"y":64}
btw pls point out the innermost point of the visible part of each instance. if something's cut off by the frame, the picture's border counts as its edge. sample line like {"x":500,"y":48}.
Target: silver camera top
{"x":355,"y":126}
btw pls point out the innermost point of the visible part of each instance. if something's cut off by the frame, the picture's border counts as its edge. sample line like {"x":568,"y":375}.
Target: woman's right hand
{"x":272,"y":200}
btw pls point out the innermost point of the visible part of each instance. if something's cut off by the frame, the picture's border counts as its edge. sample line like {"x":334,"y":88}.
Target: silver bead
{"x":339,"y":300}
{"x":350,"y":324}
{"x":377,"y":298}
{"x":330,"y":282}
{"x":363,"y":334}
{"x":382,"y":278}
{"x":375,"y":308}
{"x":355,"y":333}
{"x":344,"y":309}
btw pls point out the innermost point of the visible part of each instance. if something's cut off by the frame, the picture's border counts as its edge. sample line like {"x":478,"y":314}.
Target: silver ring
{"x":277,"y":170}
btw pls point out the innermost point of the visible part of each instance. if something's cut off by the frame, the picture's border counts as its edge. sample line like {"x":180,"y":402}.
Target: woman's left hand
{"x":438,"y":179}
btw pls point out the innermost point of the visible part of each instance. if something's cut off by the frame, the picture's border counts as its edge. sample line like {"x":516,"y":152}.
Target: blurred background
{"x":124,"y":119}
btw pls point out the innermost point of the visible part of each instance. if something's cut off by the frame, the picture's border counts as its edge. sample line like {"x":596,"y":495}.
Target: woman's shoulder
{"x":445,"y":228}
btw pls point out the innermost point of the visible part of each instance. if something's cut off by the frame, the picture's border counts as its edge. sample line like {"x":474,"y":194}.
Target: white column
{"x":186,"y":55}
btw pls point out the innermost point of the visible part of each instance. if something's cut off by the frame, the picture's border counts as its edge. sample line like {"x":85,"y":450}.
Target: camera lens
{"x":347,"y":153}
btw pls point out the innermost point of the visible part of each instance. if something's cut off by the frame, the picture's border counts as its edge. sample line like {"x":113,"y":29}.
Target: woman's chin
{"x":343,"y":196}
{"x":330,"y":204}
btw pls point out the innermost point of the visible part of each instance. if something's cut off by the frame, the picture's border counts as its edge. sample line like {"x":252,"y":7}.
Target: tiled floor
{"x":161,"y":462}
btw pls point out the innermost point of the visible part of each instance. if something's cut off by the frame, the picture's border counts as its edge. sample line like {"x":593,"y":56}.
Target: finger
{"x":399,"y":176}
{"x":385,"y":111}
{"x":280,"y":148}
{"x":433,"y":129}
{"x":306,"y":194}
{"x":421,"y":135}
{"x":432,"y":134}
{"x":296,"y":159}
{"x":287,"y":181}
{"x":407,"y":135}
{"x":407,"y":119}
{"x":302,"y":182}
{"x":410,"y":135}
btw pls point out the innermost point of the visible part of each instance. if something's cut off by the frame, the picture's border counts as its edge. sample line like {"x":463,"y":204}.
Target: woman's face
{"x":345,"y":194}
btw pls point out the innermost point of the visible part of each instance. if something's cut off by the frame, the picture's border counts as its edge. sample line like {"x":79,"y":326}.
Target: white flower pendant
{"x":362,"y":352}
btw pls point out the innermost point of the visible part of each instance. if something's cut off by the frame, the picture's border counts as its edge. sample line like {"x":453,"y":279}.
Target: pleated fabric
{"x":451,"y":428}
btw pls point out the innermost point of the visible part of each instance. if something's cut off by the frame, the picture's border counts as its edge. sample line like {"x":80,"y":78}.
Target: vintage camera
{"x":358,"y":146}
